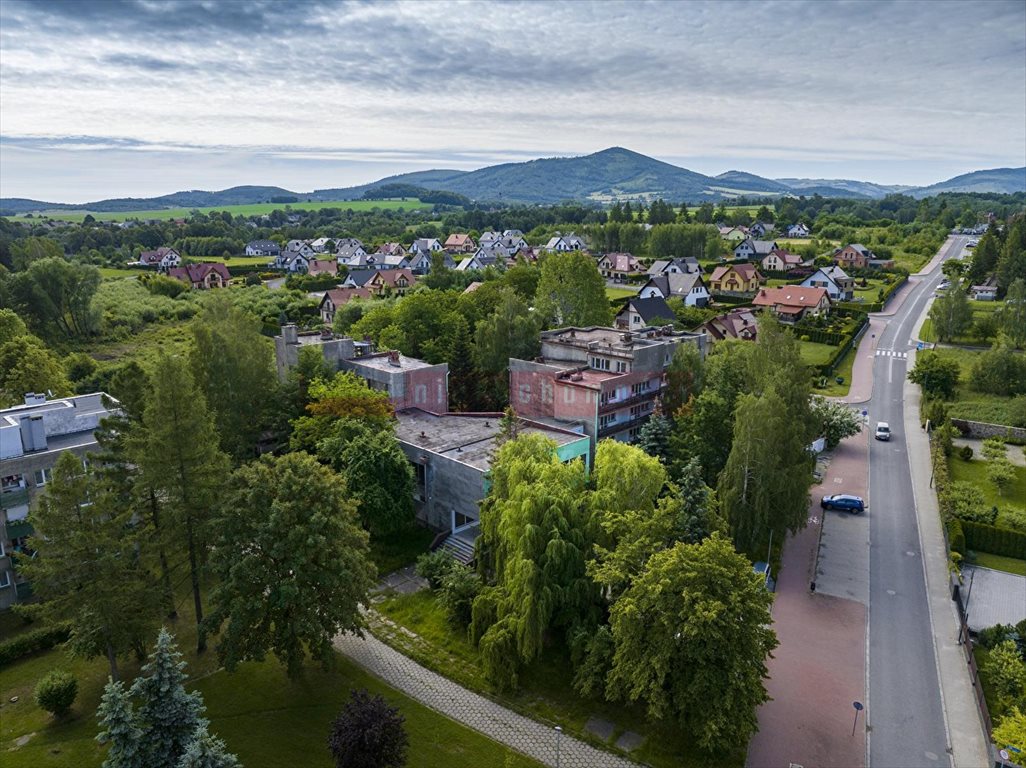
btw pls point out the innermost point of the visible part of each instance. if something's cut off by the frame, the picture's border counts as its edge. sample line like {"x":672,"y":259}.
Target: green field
{"x":614,"y":294}
{"x":236,"y":210}
{"x":814,"y":353}
{"x":833,"y":389}
{"x":1001,"y":563}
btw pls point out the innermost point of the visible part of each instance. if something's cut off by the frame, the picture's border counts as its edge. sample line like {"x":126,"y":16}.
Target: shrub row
{"x":822,"y":337}
{"x":843,"y":348}
{"x":42,"y":639}
{"x":997,"y":541}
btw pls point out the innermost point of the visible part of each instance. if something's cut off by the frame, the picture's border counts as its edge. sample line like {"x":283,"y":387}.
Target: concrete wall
{"x":449,"y":485}
{"x":980,"y":429}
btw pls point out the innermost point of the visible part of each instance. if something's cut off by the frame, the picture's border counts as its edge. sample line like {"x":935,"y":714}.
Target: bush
{"x":991,"y":636}
{"x":368,"y":734}
{"x":42,"y":639}
{"x":56,"y":692}
{"x":459,"y":588}
{"x":965,"y":453}
{"x":995,"y":540}
{"x":434,"y":566}
{"x":956,"y":536}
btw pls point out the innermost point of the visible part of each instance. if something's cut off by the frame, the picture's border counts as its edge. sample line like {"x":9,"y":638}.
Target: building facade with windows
{"x":32,"y":438}
{"x":602,"y":382}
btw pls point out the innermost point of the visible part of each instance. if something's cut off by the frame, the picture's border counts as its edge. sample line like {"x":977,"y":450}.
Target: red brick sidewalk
{"x":819,"y":669}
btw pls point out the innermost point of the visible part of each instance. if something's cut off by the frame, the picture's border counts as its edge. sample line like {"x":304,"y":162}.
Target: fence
{"x":966,"y":642}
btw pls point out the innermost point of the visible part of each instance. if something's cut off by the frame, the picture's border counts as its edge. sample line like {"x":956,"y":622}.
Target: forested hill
{"x":602,"y":177}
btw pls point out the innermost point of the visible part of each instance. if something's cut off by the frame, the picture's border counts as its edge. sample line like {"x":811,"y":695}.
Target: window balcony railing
{"x":14,"y":497}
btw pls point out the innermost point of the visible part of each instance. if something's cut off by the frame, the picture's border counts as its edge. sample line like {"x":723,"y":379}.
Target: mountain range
{"x":612,"y":174}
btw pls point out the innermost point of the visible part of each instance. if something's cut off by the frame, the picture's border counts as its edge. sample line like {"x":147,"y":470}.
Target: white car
{"x":883,"y":431}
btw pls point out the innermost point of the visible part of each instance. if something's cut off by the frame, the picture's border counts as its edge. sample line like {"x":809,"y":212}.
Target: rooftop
{"x":67,"y":422}
{"x":467,"y":437}
{"x":612,"y":338}
{"x":389,"y":361}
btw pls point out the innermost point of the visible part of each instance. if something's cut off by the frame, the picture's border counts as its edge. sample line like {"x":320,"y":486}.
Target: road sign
{"x":1004,"y":754}
{"x":864,"y":414}
{"x":858,"y":706}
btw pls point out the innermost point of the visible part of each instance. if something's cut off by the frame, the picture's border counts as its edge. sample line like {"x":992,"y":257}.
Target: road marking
{"x":891,"y":592}
{"x":891,"y":353}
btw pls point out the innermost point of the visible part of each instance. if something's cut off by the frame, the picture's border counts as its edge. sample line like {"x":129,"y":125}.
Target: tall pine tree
{"x":459,"y":354}
{"x":121,"y":731}
{"x":182,"y":463}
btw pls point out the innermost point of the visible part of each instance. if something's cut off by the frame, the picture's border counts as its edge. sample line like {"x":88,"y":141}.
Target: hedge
{"x":956,"y":536}
{"x":875,"y":306}
{"x":42,"y":639}
{"x":997,"y":541}
{"x":843,"y":348}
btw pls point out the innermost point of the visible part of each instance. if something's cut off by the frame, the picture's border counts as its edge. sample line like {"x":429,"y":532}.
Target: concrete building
{"x":451,"y":454}
{"x":32,"y":438}
{"x":603,"y":382}
{"x":409,"y":382}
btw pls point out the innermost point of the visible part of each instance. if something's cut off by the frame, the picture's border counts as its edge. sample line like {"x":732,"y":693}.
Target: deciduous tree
{"x":571,"y":292}
{"x":951,"y":314}
{"x":937,"y":375}
{"x":691,"y":637}
{"x":291,"y":560}
{"x":836,"y":420}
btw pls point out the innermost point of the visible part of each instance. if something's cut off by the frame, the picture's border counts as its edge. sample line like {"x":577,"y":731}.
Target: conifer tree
{"x":207,"y":751}
{"x":654,"y":437}
{"x":121,"y":729}
{"x":459,"y":354}
{"x":182,"y":463}
{"x":169,"y":715}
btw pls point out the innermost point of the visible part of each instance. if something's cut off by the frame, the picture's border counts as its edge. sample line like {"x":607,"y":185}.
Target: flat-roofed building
{"x":602,"y":381}
{"x":451,"y":455}
{"x":32,"y":437}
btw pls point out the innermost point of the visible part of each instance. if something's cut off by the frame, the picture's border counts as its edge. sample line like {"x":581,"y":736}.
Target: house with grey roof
{"x":754,"y":249}
{"x":689,"y":287}
{"x":643,"y":312}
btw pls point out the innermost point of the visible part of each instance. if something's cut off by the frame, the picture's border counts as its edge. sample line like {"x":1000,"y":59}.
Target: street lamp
{"x":559,"y":734}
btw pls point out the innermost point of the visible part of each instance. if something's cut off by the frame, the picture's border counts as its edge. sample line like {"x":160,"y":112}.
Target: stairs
{"x":461,"y":550}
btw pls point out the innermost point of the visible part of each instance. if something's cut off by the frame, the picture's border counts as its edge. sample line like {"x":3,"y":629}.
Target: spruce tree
{"x":170,"y":716}
{"x":121,"y":728}
{"x":207,"y":751}
{"x":459,"y":353}
{"x":654,"y":437}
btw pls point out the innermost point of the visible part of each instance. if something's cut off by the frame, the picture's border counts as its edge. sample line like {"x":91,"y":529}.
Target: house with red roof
{"x":202,"y":276}
{"x":790,"y":303}
{"x":458,"y":242}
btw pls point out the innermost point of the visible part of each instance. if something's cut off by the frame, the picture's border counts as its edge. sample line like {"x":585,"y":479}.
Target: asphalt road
{"x":907,"y":726}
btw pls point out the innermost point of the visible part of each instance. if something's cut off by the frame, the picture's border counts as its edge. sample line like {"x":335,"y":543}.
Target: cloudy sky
{"x":103,"y":98}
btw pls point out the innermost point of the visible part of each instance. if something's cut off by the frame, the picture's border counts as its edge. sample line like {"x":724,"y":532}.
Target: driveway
{"x":996,"y":597}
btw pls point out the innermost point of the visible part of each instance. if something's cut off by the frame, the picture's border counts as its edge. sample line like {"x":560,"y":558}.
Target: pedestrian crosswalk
{"x":891,"y":353}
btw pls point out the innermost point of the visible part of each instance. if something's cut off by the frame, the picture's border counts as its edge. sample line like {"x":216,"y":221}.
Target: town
{"x":528,"y":385}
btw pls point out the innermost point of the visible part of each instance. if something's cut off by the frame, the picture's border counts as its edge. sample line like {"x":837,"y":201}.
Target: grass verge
{"x":1001,"y":563}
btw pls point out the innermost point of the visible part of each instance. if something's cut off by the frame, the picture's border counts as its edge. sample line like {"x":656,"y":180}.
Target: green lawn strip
{"x":975,"y":471}
{"x":620,"y":293}
{"x":546,"y":686}
{"x":400,"y":549}
{"x":1001,"y":563}
{"x":253,"y":209}
{"x":113,"y":273}
{"x":844,"y":371}
{"x":815,"y":353}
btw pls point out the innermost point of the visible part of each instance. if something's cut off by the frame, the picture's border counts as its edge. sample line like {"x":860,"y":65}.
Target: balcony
{"x":14,"y":497}
{"x":612,"y":405}
{"x":622,"y":424}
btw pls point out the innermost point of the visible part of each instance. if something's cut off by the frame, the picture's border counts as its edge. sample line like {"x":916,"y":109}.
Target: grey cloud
{"x":141,"y":61}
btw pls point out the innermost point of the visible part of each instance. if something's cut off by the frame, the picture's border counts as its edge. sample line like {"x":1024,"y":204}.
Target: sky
{"x":104,"y":98}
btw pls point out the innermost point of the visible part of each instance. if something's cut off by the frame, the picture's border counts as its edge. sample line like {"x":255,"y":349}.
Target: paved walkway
{"x":996,"y":597}
{"x":1014,"y":453}
{"x":817,"y":671}
{"x":527,"y":736}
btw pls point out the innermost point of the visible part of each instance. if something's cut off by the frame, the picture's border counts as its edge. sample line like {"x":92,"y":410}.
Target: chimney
{"x":34,"y":398}
{"x":393,"y":358}
{"x":291,"y":333}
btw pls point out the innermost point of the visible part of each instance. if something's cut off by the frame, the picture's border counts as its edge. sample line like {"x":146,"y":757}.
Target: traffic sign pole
{"x":858,"y":708}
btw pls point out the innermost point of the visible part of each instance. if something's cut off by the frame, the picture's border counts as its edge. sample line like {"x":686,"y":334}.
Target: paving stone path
{"x":532,"y":738}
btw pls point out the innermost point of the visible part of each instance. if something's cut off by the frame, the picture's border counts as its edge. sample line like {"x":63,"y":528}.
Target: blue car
{"x":844,"y":502}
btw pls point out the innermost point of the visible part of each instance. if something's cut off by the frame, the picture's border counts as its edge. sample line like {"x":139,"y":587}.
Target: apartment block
{"x":602,"y":382}
{"x":32,"y":438}
{"x":409,"y":382}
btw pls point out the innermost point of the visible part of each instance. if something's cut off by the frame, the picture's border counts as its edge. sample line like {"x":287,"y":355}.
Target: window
{"x":600,"y":364}
{"x":621,"y":367}
{"x":605,"y":421}
{"x":43,"y":476}
{"x":5,"y":579}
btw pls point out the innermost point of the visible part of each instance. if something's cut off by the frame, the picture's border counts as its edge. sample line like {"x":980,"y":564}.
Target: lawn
{"x":843,"y":370}
{"x":546,"y":690}
{"x":614,"y":294}
{"x":254,"y":209}
{"x":266,"y":719}
{"x":814,"y":353}
{"x":975,"y":472}
{"x":1001,"y":563}
{"x":979,"y":309}
{"x":112,"y":273}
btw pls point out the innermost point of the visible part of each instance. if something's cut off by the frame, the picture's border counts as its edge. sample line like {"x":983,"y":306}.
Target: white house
{"x":754,"y":249}
{"x":689,"y":287}
{"x":674,"y":266}
{"x":798,"y":230}
{"x":839,"y":286}
{"x":162,"y":258}
{"x":351,"y":255}
{"x":781,"y":261}
{"x":262,"y":248}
